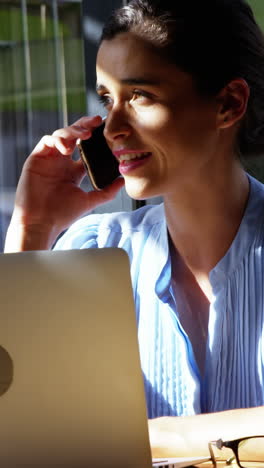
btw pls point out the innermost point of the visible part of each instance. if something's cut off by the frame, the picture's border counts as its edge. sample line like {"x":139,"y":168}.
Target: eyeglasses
{"x":248,"y":452}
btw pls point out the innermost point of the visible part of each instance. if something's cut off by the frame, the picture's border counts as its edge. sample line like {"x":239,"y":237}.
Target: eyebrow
{"x":133,"y":81}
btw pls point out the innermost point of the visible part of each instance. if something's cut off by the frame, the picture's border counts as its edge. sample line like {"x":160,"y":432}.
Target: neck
{"x":203,"y":218}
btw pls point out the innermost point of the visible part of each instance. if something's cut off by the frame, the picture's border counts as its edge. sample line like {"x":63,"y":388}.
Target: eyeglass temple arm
{"x":219,"y":444}
{"x":212,"y":455}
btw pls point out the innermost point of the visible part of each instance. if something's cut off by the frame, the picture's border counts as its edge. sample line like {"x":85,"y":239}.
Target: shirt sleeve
{"x":83,"y":234}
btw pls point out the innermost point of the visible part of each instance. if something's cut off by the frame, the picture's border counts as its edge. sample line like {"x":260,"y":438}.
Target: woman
{"x":182,"y":84}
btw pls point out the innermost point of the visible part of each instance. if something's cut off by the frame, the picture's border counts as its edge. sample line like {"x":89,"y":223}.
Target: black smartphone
{"x":99,"y":161}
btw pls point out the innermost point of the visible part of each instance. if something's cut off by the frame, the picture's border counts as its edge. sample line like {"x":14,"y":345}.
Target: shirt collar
{"x":247,"y":232}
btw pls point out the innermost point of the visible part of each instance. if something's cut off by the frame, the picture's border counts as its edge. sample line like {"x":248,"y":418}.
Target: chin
{"x":139,"y":189}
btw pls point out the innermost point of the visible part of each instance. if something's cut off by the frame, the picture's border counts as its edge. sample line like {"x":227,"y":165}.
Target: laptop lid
{"x":71,"y":385}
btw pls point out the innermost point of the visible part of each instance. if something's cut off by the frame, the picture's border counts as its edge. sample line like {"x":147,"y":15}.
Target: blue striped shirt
{"x":234,"y":367}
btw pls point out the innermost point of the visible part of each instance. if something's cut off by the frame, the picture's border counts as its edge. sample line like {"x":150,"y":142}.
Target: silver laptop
{"x":71,"y":386}
{"x":70,"y":380}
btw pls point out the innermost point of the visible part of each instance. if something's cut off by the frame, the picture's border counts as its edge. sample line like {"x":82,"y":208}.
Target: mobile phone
{"x":98,"y":159}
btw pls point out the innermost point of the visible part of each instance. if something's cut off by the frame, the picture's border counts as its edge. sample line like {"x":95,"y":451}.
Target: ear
{"x":232,"y":100}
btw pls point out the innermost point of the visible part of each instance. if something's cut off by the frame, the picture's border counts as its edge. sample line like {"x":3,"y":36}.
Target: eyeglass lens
{"x":253,"y":450}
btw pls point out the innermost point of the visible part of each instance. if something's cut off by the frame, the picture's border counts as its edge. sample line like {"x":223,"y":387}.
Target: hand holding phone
{"x":99,"y":161}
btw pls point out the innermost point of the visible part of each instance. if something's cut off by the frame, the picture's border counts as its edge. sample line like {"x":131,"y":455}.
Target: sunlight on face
{"x":159,"y":126}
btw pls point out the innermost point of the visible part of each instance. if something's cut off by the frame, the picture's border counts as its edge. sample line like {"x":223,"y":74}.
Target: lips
{"x":130,"y":155}
{"x":130,"y":160}
{"x":123,"y":158}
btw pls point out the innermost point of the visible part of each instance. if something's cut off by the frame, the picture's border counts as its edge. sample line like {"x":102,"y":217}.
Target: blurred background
{"x":47,"y":80}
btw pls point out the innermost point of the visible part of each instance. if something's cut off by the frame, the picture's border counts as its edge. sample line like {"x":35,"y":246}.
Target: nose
{"x":117,"y":126}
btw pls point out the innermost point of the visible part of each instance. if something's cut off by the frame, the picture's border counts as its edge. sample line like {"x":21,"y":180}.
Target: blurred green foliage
{"x":43,"y":61}
{"x":258,"y":9}
{"x":255,"y":165}
{"x":12,"y":27}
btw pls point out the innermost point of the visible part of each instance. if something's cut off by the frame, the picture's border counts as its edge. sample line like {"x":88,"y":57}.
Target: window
{"x":42,"y":82}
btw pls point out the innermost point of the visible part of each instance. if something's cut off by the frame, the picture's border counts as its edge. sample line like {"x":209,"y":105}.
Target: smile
{"x":132,"y":156}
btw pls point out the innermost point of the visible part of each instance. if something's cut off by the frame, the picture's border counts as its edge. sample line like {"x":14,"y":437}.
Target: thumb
{"x":96,"y":198}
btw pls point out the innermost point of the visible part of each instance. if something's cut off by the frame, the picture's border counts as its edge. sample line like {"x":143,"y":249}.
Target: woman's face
{"x":160,"y":129}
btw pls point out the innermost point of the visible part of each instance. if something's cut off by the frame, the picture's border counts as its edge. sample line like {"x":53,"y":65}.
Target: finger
{"x":50,"y":142}
{"x":73,"y":132}
{"x":86,"y":122}
{"x":80,"y":129}
{"x":96,"y":198}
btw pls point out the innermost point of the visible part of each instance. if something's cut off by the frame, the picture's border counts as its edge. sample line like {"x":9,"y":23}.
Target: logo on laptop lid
{"x":6,"y":371}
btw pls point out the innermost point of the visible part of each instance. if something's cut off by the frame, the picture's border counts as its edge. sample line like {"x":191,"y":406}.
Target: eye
{"x":141,"y":96}
{"x":105,"y":99}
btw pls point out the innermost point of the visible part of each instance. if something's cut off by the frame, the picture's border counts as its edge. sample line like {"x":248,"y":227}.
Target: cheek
{"x":174,"y":127}
{"x":155,"y":122}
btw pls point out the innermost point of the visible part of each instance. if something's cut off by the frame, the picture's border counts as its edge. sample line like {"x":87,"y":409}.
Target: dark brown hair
{"x":213,"y":40}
